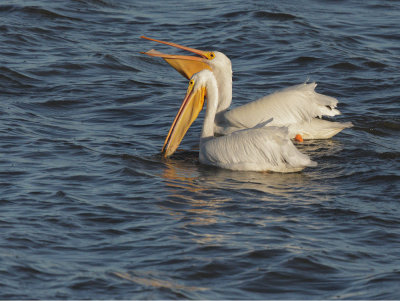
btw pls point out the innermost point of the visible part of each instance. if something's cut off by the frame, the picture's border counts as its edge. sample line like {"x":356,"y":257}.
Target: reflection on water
{"x":148,"y":278}
{"x":187,"y":195}
{"x":201,"y":196}
{"x":188,"y":180}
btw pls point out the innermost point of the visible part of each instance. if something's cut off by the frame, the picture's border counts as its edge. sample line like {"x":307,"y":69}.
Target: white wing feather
{"x":296,"y":104}
{"x":259,"y":149}
{"x":317,"y":128}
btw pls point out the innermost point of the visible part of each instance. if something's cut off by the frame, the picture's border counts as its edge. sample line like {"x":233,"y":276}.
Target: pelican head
{"x":189,"y":65}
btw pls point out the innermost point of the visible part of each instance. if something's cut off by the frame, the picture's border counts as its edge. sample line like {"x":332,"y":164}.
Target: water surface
{"x":89,"y":209}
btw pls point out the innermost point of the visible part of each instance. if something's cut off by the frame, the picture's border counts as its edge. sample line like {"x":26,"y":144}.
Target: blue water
{"x":88,"y":207}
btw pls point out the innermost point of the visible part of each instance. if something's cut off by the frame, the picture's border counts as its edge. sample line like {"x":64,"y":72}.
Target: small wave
{"x":379,"y":221}
{"x":131,"y":172}
{"x":381,"y":6}
{"x":234,"y":14}
{"x":68,"y":66}
{"x":12,"y":173}
{"x":375,"y":65}
{"x":345,"y":66}
{"x":112,"y":62}
{"x":379,"y":237}
{"x":266,"y":254}
{"x":389,"y":155}
{"x":136,"y":165}
{"x":102,"y":220}
{"x":305,"y":59}
{"x":379,"y":126}
{"x":289,"y":285}
{"x":11,"y":86}
{"x":375,"y":285}
{"x":384,"y":277}
{"x":100,"y":3}
{"x":376,"y":179}
{"x":325,"y":212}
{"x":31,"y":270}
{"x":82,"y":283}
{"x":274,"y":16}
{"x":215,"y":267}
{"x":60,"y":104}
{"x":7,"y":8}
{"x":308,"y":264}
{"x":35,"y":11}
{"x":16,"y":78}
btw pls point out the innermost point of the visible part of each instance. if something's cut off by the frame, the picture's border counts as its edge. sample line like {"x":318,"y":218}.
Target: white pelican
{"x":299,"y":107}
{"x":258,"y":149}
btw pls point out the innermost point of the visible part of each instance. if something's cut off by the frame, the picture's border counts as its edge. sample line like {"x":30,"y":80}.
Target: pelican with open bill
{"x":298,"y":107}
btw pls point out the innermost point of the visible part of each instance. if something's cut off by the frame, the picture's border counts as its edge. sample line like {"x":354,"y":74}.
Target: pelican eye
{"x":191,"y":82}
{"x":212,"y":55}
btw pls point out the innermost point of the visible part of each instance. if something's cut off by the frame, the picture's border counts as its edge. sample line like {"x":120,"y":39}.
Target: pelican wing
{"x":318,"y":128}
{"x":259,"y":149}
{"x":292,"y":105}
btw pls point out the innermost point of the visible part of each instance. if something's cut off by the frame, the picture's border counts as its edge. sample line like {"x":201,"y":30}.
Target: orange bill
{"x":187,"y":114}
{"x":185,"y":64}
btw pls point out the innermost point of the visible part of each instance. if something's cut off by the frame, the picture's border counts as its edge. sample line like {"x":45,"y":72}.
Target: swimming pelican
{"x":299,"y":107}
{"x":257,"y":149}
